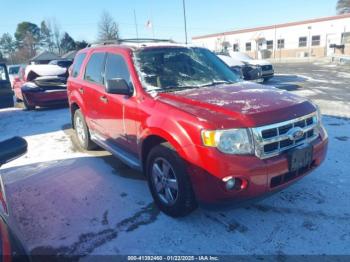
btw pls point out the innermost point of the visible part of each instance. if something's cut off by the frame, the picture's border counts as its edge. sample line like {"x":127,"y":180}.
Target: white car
{"x":13,"y":71}
{"x":247,"y":72}
{"x":266,"y":66}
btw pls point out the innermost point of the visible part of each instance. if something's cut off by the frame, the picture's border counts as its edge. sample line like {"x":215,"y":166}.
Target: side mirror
{"x":118,"y":86}
{"x":11,"y":149}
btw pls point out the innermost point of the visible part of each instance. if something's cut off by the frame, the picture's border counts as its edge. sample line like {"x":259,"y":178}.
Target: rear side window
{"x":78,"y":61}
{"x":117,"y":68}
{"x":94,"y":68}
{"x":3,"y":75}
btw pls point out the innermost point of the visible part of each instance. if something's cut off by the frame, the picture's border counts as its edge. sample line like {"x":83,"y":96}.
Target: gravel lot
{"x":69,"y":202}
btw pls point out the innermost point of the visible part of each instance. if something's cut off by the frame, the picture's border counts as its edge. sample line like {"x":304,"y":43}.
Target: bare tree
{"x":56,"y":35}
{"x":107,"y":28}
{"x":343,"y":7}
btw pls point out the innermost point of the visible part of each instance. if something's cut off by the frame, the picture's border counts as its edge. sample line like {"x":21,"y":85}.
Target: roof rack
{"x":132,"y":40}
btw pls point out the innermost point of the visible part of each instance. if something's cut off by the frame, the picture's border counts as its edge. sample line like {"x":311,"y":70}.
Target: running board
{"x":124,"y":156}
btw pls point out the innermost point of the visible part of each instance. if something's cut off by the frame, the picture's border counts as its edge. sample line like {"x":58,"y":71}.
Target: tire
{"x":267,"y":78}
{"x":161,"y":158}
{"x":26,"y":105}
{"x":82,"y":132}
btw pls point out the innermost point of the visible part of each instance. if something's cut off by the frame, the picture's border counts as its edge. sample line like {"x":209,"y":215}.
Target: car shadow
{"x":286,"y":82}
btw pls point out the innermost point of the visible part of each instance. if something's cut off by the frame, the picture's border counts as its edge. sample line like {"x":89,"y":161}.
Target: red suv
{"x":179,"y":114}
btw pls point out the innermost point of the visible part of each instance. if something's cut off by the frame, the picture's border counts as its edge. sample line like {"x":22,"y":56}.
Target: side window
{"x":78,"y":61}
{"x":116,"y":67}
{"x":94,"y":68}
{"x":3,"y":75}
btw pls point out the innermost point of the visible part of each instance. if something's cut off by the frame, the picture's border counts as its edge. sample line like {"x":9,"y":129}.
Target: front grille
{"x":273,"y":139}
{"x":266,"y":67}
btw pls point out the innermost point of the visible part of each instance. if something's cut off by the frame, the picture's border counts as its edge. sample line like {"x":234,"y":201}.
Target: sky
{"x":80,"y":17}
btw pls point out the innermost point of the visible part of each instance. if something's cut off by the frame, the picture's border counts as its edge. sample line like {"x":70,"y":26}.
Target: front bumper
{"x":264,"y":176}
{"x":268,"y":73}
{"x":46,"y":98}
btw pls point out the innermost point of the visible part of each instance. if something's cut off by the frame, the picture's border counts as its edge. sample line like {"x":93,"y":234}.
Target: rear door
{"x":6,"y":93}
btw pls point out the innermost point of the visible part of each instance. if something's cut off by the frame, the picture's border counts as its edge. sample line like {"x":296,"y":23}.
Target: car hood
{"x":244,"y":104}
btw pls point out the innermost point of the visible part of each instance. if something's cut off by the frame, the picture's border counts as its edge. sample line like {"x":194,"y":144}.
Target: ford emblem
{"x":295,"y":133}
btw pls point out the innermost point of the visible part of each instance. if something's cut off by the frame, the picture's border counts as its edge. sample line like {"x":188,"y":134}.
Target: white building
{"x":316,"y":37}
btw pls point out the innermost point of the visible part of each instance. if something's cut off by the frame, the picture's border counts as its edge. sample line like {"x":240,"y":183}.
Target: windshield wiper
{"x":214,"y":83}
{"x":175,"y":88}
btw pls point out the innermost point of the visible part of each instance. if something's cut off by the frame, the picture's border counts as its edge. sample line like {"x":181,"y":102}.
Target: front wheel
{"x":26,"y":105}
{"x":169,"y":182}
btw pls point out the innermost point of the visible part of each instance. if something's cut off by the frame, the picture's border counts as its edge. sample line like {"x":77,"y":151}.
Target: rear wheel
{"x":169,"y":182}
{"x":82,"y":131}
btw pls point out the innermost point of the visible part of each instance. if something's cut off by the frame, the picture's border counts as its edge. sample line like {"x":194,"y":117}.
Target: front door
{"x":6,"y":93}
{"x":113,"y":120}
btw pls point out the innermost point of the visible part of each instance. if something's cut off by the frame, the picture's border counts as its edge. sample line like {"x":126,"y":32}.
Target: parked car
{"x":6,"y":93}
{"x":248,"y":72}
{"x":266,"y":67}
{"x":179,"y":114}
{"x":13,"y":71}
{"x":66,"y":63}
{"x":11,"y":248}
{"x":41,"y":85}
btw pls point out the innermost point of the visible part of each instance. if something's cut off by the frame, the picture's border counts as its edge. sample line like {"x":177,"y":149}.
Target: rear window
{"x":78,"y":61}
{"x":94,"y":68}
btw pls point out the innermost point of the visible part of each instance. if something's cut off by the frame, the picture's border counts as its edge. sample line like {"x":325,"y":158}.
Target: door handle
{"x":81,"y":90}
{"x":104,"y":99}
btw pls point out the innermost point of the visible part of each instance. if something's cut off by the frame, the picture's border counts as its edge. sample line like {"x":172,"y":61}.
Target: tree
{"x":7,"y":45}
{"x":80,"y":44}
{"x":343,"y":7}
{"x":47,"y":40}
{"x":28,"y":38}
{"x":107,"y":28}
{"x":67,"y":43}
{"x":25,"y":28}
{"x":2,"y":58}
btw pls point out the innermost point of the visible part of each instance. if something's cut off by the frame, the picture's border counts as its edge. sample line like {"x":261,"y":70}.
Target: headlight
{"x":319,"y":115}
{"x":232,"y":141}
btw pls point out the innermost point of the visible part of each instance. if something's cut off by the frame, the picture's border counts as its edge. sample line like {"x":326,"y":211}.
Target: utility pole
{"x":184,"y":9}
{"x":137,"y":31}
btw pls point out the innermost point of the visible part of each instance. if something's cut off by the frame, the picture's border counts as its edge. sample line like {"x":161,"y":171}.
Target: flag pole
{"x":137,"y":31}
{"x":184,"y":10}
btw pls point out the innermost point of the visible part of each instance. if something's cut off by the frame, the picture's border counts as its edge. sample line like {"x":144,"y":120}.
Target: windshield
{"x":172,"y":68}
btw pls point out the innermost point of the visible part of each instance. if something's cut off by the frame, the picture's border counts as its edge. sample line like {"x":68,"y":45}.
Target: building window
{"x":345,"y":38}
{"x":303,"y":41}
{"x":236,"y":47}
{"x":316,"y":40}
{"x":248,"y":46}
{"x":280,"y":43}
{"x":269,"y":44}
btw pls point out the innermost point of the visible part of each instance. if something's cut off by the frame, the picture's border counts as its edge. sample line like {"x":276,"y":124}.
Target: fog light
{"x":230,"y":184}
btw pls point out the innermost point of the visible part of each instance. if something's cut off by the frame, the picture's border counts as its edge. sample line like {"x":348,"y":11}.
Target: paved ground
{"x":69,"y":202}
{"x":326,"y":85}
